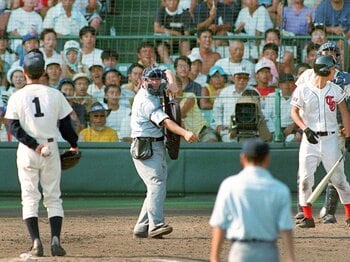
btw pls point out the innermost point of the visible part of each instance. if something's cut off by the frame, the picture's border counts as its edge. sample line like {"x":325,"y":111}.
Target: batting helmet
{"x":154,"y":72}
{"x":327,"y":47}
{"x":34,"y":64}
{"x":323,"y":65}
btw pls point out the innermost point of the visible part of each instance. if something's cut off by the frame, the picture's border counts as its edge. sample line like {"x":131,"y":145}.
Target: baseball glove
{"x":69,"y":159}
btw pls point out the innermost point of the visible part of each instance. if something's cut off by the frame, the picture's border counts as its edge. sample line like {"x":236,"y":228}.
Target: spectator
{"x":235,"y":59}
{"x":172,"y":20}
{"x":182,"y":68}
{"x":301,"y":68}
{"x":81,"y":83}
{"x":217,"y":80}
{"x":146,"y":54}
{"x":285,"y":53}
{"x":16,"y":79}
{"x":29,"y":42}
{"x":98,"y":131}
{"x":204,"y":52}
{"x":215,"y":16}
{"x":287,"y":85}
{"x":263,"y":77}
{"x":5,"y":12}
{"x":71,"y":62}
{"x":224,"y":105}
{"x":110,"y":58}
{"x":48,"y":38}
{"x":90,"y":54}
{"x":296,"y":19}
{"x":318,"y":35}
{"x":119,"y":117}
{"x":91,"y":10}
{"x":6,"y":54}
{"x":269,"y":56}
{"x":78,"y":115}
{"x":163,"y":50}
{"x":24,"y":20}
{"x":253,"y":19}
{"x":196,"y":71}
{"x":54,"y":72}
{"x":65,"y":19}
{"x":134,"y":81}
{"x":96,"y":88}
{"x":235,"y":5}
{"x":311,"y":53}
{"x":334,"y":14}
{"x":191,"y":115}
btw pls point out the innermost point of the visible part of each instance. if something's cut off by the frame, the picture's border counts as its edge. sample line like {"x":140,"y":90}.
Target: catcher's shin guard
{"x":331,"y":201}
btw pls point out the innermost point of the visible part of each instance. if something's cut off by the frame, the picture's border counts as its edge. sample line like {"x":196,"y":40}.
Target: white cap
{"x":96,"y":64}
{"x":11,"y":71}
{"x":81,"y":75}
{"x":52,"y":61}
{"x":261,"y":64}
{"x":240,"y":70}
{"x":71,"y":44}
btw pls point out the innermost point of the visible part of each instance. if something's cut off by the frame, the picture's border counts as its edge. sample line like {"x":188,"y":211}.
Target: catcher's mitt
{"x":69,"y":159}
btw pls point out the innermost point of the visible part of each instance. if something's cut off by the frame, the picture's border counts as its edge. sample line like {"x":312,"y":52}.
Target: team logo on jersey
{"x":331,"y":103}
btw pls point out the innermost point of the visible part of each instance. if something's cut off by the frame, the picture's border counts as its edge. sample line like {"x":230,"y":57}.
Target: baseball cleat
{"x":329,"y":219}
{"x":348,"y":222}
{"x":160,"y":231}
{"x":56,"y":249}
{"x":299,"y":215}
{"x":141,"y":234}
{"x":306,"y":223}
{"x":36,"y":250}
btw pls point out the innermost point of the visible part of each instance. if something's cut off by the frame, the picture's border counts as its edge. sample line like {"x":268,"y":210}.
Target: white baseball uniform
{"x":38,"y":109}
{"x":319,"y":108}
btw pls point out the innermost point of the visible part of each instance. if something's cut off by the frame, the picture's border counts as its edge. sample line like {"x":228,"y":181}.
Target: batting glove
{"x":347,"y":143}
{"x":311,"y":136}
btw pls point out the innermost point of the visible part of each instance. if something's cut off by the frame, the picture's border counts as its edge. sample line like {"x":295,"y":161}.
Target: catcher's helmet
{"x":34,"y":64}
{"x":154,"y":72}
{"x":327,"y":47}
{"x":323,"y":65}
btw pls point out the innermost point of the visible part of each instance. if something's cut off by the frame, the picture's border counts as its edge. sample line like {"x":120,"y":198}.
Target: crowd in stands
{"x":216,"y":76}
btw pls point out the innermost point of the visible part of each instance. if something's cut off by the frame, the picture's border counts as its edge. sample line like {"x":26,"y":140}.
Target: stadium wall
{"x":107,"y":169}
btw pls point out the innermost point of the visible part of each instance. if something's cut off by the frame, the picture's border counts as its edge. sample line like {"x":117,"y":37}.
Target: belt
{"x":50,"y":140}
{"x":253,"y":240}
{"x":152,"y":139}
{"x":325,"y":133}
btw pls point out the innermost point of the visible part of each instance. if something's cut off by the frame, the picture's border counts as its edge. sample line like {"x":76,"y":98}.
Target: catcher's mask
{"x":323,"y":65}
{"x":330,"y":48}
{"x":152,"y":73}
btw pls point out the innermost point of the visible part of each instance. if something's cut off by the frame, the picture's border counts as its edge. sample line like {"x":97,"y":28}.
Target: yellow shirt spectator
{"x":106,"y":135}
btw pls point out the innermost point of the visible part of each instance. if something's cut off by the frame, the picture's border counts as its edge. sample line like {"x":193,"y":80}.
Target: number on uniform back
{"x":38,"y":112}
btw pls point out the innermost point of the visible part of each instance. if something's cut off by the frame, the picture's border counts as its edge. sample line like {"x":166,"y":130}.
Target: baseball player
{"x":33,"y":113}
{"x":314,"y":109}
{"x":147,"y":123}
{"x":251,"y":209}
{"x":342,"y":79}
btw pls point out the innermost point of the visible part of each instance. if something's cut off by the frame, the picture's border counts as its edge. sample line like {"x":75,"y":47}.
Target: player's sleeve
{"x":297,"y":97}
{"x":154,"y":113}
{"x":340,"y":94}
{"x":18,"y":132}
{"x":65,"y":107}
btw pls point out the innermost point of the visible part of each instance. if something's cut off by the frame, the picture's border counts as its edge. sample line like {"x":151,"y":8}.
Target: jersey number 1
{"x":38,"y":112}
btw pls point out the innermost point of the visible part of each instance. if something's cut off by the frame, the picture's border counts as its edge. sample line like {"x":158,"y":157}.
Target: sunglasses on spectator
{"x":99,"y":116}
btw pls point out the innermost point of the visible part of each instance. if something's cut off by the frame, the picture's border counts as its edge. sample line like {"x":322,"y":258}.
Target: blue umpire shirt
{"x":146,"y":115}
{"x":252,"y":205}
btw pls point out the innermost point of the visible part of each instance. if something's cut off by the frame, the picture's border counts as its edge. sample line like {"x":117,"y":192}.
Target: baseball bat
{"x":321,"y":186}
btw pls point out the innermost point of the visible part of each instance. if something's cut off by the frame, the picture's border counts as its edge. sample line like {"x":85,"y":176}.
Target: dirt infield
{"x":106,"y":235}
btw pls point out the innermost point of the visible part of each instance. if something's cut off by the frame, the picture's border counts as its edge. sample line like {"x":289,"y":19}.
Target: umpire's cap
{"x":255,"y":148}
{"x":34,"y":64}
{"x":323,"y":65}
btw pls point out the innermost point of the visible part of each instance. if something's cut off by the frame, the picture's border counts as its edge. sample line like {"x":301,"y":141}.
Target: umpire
{"x":148,"y":150}
{"x":251,"y":209}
